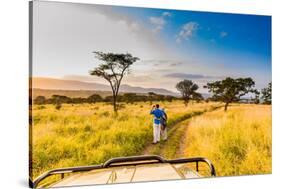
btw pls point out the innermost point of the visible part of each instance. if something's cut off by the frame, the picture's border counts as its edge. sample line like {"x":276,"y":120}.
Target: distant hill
{"x":78,"y":88}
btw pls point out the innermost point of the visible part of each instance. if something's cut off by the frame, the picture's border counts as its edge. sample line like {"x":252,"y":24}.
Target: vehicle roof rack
{"x":123,"y":161}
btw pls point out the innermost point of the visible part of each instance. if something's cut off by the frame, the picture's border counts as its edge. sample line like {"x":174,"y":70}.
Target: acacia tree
{"x":188,"y":90}
{"x":114,"y":68}
{"x":230,"y":90}
{"x":266,"y":94}
{"x":40,"y":100}
{"x":94,"y":98}
{"x":257,"y":97}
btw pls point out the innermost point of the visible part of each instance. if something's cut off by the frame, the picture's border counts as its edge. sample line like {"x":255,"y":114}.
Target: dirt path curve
{"x":174,"y":146}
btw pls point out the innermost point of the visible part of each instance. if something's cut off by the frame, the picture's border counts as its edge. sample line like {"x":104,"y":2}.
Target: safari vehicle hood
{"x":130,"y":169}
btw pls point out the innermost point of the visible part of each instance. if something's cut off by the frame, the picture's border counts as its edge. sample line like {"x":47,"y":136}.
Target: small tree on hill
{"x":40,"y":100}
{"x":94,"y":98}
{"x":188,"y":90}
{"x":230,"y":90}
{"x":114,"y":68}
{"x":266,"y":94}
{"x":58,"y":100}
{"x":129,"y":97}
{"x":257,"y":97}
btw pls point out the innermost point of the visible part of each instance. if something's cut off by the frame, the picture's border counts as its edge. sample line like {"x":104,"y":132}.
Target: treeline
{"x":126,"y":97}
{"x":115,"y":66}
{"x":228,"y":90}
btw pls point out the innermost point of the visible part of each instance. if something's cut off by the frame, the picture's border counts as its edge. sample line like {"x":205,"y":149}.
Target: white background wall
{"x":14,"y":91}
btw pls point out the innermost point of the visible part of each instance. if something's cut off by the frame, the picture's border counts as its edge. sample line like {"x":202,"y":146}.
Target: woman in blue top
{"x":158,"y":114}
{"x":164,"y":120}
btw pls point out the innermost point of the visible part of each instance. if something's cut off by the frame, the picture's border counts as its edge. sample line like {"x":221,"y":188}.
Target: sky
{"x":172,"y":45}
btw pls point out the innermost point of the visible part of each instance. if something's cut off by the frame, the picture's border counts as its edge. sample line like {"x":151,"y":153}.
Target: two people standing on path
{"x":159,"y":123}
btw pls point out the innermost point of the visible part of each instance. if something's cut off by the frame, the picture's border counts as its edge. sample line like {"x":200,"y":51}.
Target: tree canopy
{"x":231,"y":90}
{"x":94,"y":98}
{"x":266,"y":94}
{"x":188,"y":90}
{"x":113,"y":69}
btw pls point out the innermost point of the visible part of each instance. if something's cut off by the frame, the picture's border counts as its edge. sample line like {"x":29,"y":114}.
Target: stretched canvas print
{"x":124,"y":94}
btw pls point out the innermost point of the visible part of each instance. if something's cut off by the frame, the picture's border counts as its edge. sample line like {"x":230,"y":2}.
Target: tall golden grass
{"x":238,"y":141}
{"x":86,"y":134}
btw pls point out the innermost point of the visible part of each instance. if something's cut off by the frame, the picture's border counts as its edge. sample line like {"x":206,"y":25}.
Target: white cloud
{"x":187,"y":31}
{"x":168,"y":14}
{"x":223,"y":34}
{"x":159,"y":22}
{"x":64,"y":42}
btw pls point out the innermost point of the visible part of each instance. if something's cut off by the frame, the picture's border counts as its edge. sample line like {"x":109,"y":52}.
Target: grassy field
{"x":237,"y":141}
{"x":171,"y":148}
{"x":86,"y":134}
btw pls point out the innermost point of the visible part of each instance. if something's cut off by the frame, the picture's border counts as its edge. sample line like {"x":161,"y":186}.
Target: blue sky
{"x":229,"y":35}
{"x":172,"y":45}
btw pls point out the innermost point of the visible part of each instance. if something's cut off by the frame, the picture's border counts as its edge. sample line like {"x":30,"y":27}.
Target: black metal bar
{"x":195,"y":159}
{"x":197,"y":166}
{"x":108,"y":163}
{"x":64,"y":170}
{"x":134,"y":160}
